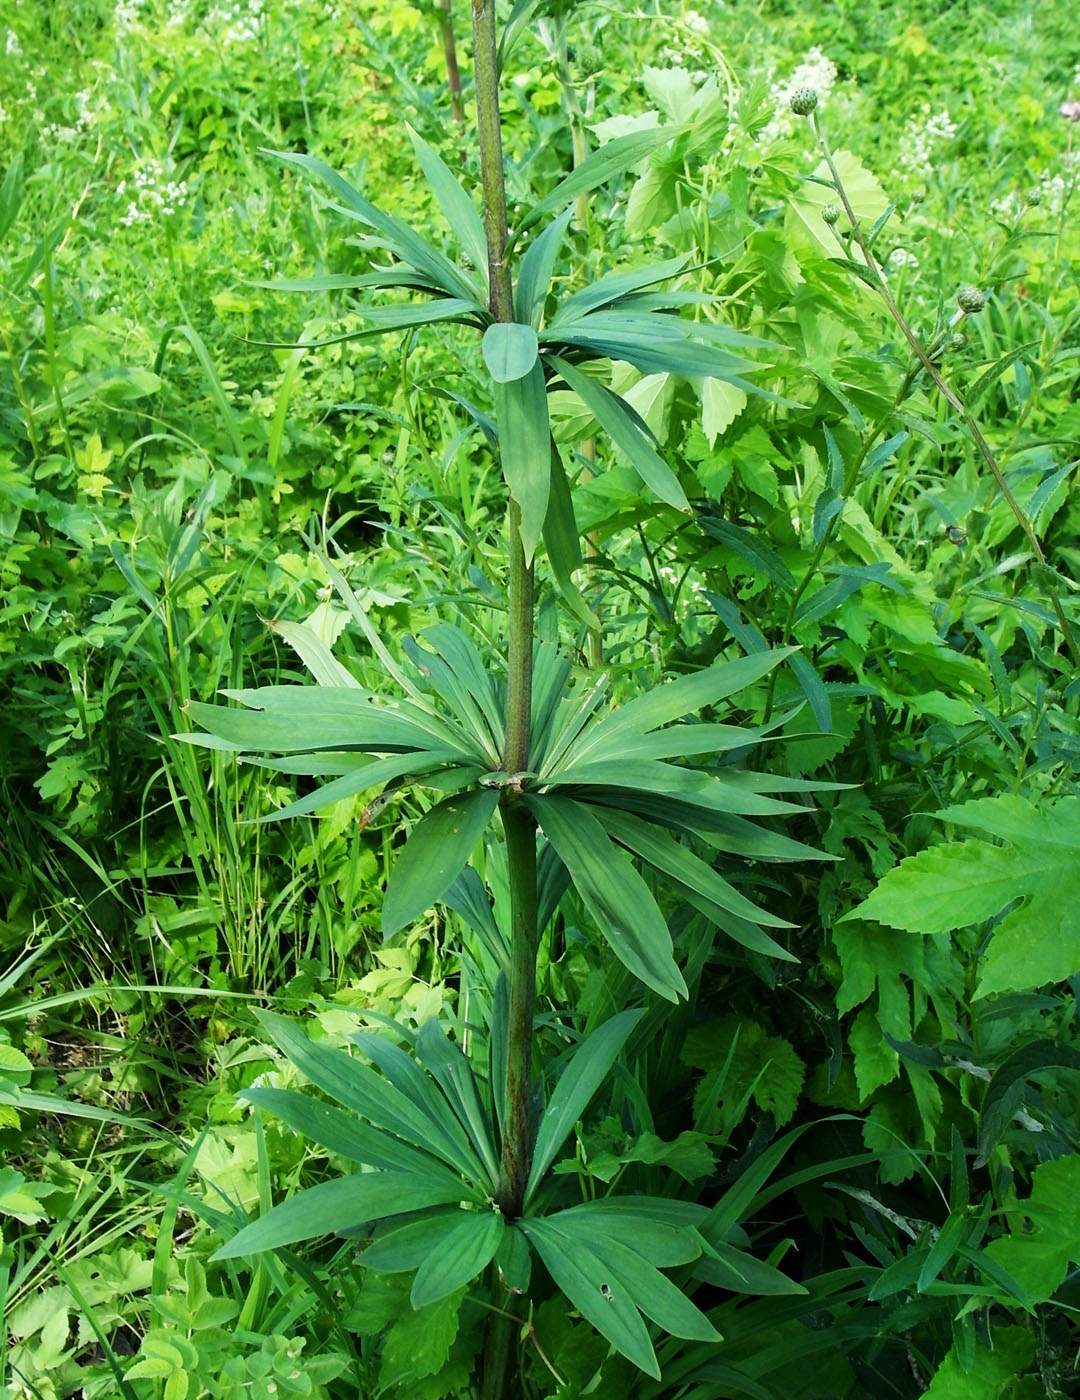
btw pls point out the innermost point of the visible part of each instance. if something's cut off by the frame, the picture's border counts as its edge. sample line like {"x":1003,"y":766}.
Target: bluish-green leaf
{"x":613,"y":892}
{"x":466,"y":1249}
{"x":537,"y":266}
{"x":465,"y":223}
{"x":438,"y":847}
{"x":578,"y":1082}
{"x":334,"y":1206}
{"x":521,"y":412}
{"x":510,"y":350}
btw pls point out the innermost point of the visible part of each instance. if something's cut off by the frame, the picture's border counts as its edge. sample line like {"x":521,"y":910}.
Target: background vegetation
{"x":888,"y":1114}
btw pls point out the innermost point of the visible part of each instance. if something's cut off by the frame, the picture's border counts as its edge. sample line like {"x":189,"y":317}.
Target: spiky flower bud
{"x":831,"y":214}
{"x":970,"y":300}
{"x":1033,"y":198}
{"x":803,"y":101}
{"x":590,"y":60}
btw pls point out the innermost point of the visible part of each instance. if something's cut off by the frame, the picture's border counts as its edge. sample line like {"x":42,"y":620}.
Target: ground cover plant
{"x":704,"y":1026}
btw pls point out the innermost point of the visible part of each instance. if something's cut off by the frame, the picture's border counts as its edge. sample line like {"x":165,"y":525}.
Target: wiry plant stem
{"x":948,"y":393}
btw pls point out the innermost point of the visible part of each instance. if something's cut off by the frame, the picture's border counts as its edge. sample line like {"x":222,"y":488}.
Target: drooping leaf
{"x":438,"y":847}
{"x":628,"y":434}
{"x":521,"y":412}
{"x":596,"y":1293}
{"x":580,"y":1079}
{"x":615,"y":895}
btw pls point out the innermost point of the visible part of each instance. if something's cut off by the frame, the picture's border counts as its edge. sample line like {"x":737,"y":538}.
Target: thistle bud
{"x":1033,"y":198}
{"x":970,"y":300}
{"x":831,"y":214}
{"x":803,"y":101}
{"x":956,"y":534}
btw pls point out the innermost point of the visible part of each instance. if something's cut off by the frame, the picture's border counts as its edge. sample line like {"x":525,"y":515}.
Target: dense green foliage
{"x":835,"y":1034}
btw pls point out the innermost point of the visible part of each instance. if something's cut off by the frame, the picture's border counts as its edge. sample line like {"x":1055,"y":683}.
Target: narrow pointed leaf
{"x":615,"y":895}
{"x":438,"y":847}
{"x":466,"y":1249}
{"x":345,"y":1134}
{"x":315,"y":654}
{"x":598,"y":167}
{"x":400,"y":1248}
{"x":537,"y":266}
{"x":345,"y":1204}
{"x":665,"y":854}
{"x":616,"y":285}
{"x":627,"y":433}
{"x":598,"y":1296}
{"x":521,"y":413}
{"x":673,"y":700}
{"x":458,"y":209}
{"x":455,"y":1076}
{"x":362,"y":779}
{"x":563,"y":543}
{"x":578,"y":1082}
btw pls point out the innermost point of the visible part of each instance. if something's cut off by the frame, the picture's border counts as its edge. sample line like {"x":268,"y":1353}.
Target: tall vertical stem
{"x":453,"y":75}
{"x":518,"y":824}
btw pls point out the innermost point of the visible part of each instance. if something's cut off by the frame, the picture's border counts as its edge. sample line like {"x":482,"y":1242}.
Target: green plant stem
{"x":518,"y":824}
{"x":453,"y":73}
{"x":947,"y":392}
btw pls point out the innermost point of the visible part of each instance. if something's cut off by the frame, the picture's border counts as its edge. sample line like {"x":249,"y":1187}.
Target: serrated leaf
{"x":992,"y":1374}
{"x":721,"y":404}
{"x":1038,"y":1257}
{"x":439,"y":846}
{"x":962,"y":883}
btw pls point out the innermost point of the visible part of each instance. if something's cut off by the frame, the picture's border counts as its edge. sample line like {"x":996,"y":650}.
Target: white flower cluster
{"x":922,"y":139}
{"x":900,"y":258}
{"x":697,"y":24}
{"x":816,"y":71}
{"x":126,"y":14}
{"x":12,"y":47}
{"x":151,"y":194}
{"x":85,"y":115}
{"x":239,"y":22}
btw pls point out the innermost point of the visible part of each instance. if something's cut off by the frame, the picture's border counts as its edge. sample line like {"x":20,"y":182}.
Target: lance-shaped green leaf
{"x":535,"y":271}
{"x":615,"y":285}
{"x":336,"y":1206}
{"x":521,"y":413}
{"x":579,"y":1081}
{"x":411,"y":248}
{"x":613,"y":892}
{"x":438,"y":847}
{"x":346,"y":281}
{"x":358,"y":1087}
{"x":451,"y":1068}
{"x":468,"y":665}
{"x":647,"y":1225}
{"x":681,"y":865}
{"x":400,"y":1247}
{"x":458,"y":209}
{"x":627,"y":432}
{"x":671,"y":701}
{"x":650,"y":1291}
{"x":458,"y":697}
{"x":612,"y":159}
{"x":740,"y":1272}
{"x":346,"y":1134}
{"x":315,"y":654}
{"x":295,"y":718}
{"x":411,"y":1080}
{"x":466,"y":1249}
{"x":563,"y":544}
{"x":595,"y":1291}
{"x":713,"y":793}
{"x":382,"y":320}
{"x":377,"y":773}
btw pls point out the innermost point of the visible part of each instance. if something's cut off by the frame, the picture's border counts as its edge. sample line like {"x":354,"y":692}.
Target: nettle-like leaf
{"x":961,"y":883}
